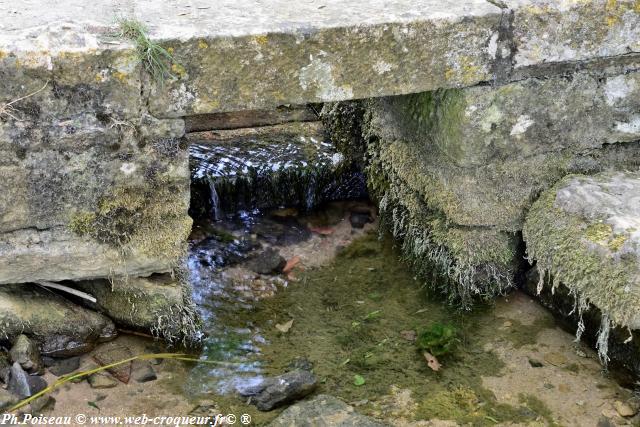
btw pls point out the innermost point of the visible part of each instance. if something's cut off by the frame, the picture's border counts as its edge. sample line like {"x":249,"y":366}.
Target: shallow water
{"x":352,"y":317}
{"x":353,"y":303}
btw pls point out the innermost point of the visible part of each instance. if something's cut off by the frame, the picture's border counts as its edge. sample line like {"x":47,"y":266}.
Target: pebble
{"x":624,"y":409}
{"x":143,"y":372}
{"x":101,"y":380}
{"x":65,"y":366}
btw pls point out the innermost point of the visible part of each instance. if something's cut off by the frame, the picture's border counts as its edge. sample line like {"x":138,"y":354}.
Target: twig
{"x":8,"y":109}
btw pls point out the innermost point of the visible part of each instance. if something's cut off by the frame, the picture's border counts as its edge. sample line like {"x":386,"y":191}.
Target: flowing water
{"x":355,"y":309}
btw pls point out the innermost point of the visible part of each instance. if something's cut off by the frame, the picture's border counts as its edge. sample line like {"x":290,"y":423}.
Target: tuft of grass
{"x":156,"y":59}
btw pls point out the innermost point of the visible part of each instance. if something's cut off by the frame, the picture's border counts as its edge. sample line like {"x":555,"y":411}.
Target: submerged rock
{"x":65,"y":366}
{"x":101,"y":380}
{"x":585,"y":234}
{"x":26,"y":353}
{"x":143,"y":372}
{"x":159,"y":303}
{"x":268,"y":261}
{"x":60,"y":327}
{"x":272,"y":392}
{"x":323,"y":411}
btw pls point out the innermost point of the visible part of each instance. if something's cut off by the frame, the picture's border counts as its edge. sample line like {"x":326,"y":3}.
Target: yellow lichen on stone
{"x":617,"y":242}
{"x":262,"y":39}
{"x":598,"y":232}
{"x":202,"y":44}
{"x":178,"y":70}
{"x":120,"y":76}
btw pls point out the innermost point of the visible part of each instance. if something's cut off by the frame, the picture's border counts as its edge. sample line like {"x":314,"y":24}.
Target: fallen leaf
{"x":291,"y":264}
{"x":324,"y":231}
{"x":284,"y":327}
{"x":432,"y":362}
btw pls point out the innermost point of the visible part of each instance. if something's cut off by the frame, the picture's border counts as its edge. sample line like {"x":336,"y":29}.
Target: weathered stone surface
{"x":323,"y":411}
{"x":65,"y":366}
{"x":60,"y":327}
{"x":26,"y":353}
{"x":160,"y":304}
{"x":481,"y":154}
{"x":7,"y":399}
{"x":275,"y":391}
{"x":105,"y":200}
{"x":268,"y":261}
{"x":584,"y":232}
{"x":24,"y":385}
{"x":548,"y":31}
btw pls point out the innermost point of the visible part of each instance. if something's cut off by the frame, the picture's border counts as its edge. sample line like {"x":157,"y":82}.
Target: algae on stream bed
{"x":347,"y":321}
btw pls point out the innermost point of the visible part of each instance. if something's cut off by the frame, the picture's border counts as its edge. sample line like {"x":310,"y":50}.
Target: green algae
{"x":348,"y":318}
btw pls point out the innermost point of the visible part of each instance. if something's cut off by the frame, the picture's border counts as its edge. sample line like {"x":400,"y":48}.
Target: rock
{"x":272,"y":392}
{"x":143,"y":372}
{"x":323,"y":411}
{"x":101,"y":380}
{"x":7,"y":399}
{"x":359,"y":220}
{"x":114,"y":353}
{"x":60,"y":327}
{"x":43,"y":402}
{"x":456,"y":169}
{"x":624,"y":409}
{"x":584,"y":232}
{"x":141,"y":303}
{"x":27,"y":354}
{"x":268,"y":261}
{"x":24,"y":385}
{"x":65,"y":366}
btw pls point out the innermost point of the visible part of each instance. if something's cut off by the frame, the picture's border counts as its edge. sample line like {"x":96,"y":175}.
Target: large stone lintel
{"x":247,"y":54}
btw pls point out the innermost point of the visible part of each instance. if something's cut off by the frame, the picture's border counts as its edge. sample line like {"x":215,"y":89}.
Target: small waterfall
{"x":216,"y":210}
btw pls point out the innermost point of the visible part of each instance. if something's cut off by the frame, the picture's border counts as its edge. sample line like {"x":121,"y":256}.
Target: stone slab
{"x":585,"y":233}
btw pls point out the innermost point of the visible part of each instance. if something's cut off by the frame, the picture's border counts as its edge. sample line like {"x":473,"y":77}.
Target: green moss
{"x":438,"y":339}
{"x":616,"y":243}
{"x":520,"y":335}
{"x":149,"y":220}
{"x":558,"y":242}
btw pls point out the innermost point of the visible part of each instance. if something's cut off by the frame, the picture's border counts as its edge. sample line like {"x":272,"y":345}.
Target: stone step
{"x":584,"y":233}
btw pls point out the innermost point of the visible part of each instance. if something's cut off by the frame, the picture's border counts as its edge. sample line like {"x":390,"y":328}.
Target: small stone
{"x":5,"y":368}
{"x":24,"y":385}
{"x":143,"y":372}
{"x":113,"y":353}
{"x":272,"y":392}
{"x":7,"y":399}
{"x":100,"y":380}
{"x":27,"y":354}
{"x":268,"y":261}
{"x":359,"y":219}
{"x":624,"y":409}
{"x":65,"y":366}
{"x":535,"y":363}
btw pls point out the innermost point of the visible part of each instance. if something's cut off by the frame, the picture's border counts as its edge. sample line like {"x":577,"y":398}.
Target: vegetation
{"x":156,"y":59}
{"x":439,"y":339}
